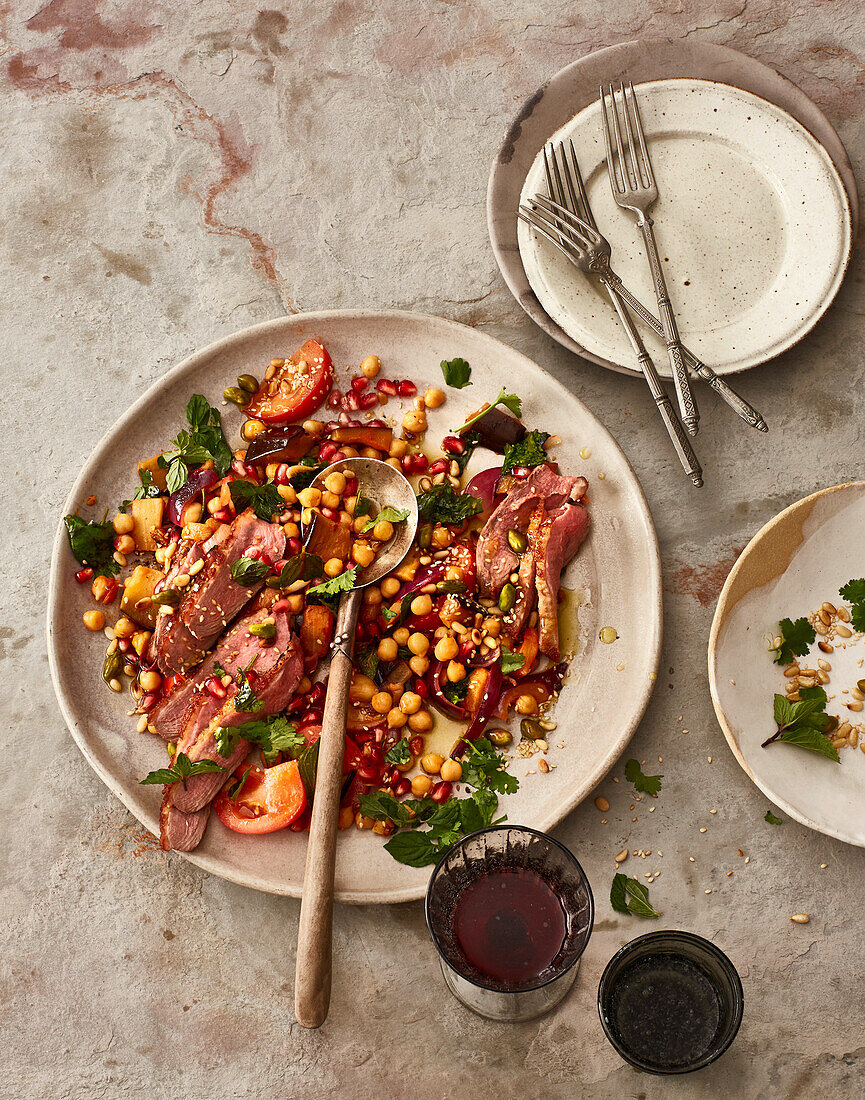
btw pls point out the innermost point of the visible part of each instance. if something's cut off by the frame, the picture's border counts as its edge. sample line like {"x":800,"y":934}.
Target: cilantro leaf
{"x":246,"y":699}
{"x":227,"y":739}
{"x":854,"y":591}
{"x":627,"y":895}
{"x":248,"y":571}
{"x":510,"y":662}
{"x":273,"y":735}
{"x":487,"y":769}
{"x":509,"y":400}
{"x":457,"y":373}
{"x":92,"y":544}
{"x":442,"y":504}
{"x":181,"y":769}
{"x":528,"y":452}
{"x":400,"y":753}
{"x":456,"y":692}
{"x":146,"y":490}
{"x":388,"y":615}
{"x":477,"y":812}
{"x":643,"y":784}
{"x":335,"y":585}
{"x":796,"y":639}
{"x":386,"y":515}
{"x":770,"y":817}
{"x":264,"y":500}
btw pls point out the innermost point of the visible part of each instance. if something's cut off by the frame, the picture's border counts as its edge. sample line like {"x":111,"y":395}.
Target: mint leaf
{"x":249,"y":571}
{"x":627,"y":895}
{"x":442,"y":504}
{"x":386,"y":515}
{"x":457,"y":373}
{"x":813,"y":740}
{"x":92,"y":544}
{"x":528,"y":452}
{"x":510,"y":662}
{"x":400,"y":753}
{"x":643,"y":784}
{"x":264,"y":500}
{"x":413,"y":849}
{"x":302,"y":567}
{"x":181,"y":769}
{"x":796,"y":639}
{"x":246,"y":699}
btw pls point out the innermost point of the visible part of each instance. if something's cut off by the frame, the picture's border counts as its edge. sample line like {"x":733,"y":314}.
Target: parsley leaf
{"x":457,"y":373}
{"x":796,"y":639}
{"x":273,"y":735}
{"x":218,"y":670}
{"x":627,"y":895}
{"x":246,"y":699}
{"x":332,"y":587}
{"x":854,"y":591}
{"x":770,"y":817}
{"x":146,"y":490}
{"x":804,"y":723}
{"x":510,"y":662}
{"x":389,"y":515}
{"x":264,"y":500}
{"x":528,"y":452}
{"x":643,"y":784}
{"x":181,"y":769}
{"x":486,"y":768}
{"x":249,"y":571}
{"x":92,"y":544}
{"x":442,"y":504}
{"x":400,"y":753}
{"x":509,"y":400}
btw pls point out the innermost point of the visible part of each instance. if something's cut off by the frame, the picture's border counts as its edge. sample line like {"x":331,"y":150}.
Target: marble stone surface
{"x":173,"y":172}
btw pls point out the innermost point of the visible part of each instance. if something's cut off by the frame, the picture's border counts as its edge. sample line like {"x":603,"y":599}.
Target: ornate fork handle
{"x":738,"y":404}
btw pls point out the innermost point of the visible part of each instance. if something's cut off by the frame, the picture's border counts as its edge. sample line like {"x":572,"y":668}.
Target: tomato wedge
{"x":297,"y":389}
{"x":269,"y":799}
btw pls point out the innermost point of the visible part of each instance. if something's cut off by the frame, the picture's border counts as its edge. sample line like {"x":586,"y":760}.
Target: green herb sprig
{"x":628,"y":895}
{"x":182,"y":768}
{"x":804,"y":723}
{"x":643,"y":784}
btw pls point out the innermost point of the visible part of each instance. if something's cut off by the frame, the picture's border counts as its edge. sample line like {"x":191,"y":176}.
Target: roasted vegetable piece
{"x":496,"y":429}
{"x":297,"y":388}
{"x":364,"y":436}
{"x":267,"y":800}
{"x":316,"y":631}
{"x":157,"y":472}
{"x":135,"y":601}
{"x":286,"y":443}
{"x":329,"y":539}
{"x":146,"y":515}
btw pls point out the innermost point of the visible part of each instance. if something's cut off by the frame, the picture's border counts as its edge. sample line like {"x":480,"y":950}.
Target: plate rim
{"x":723,"y":609}
{"x":700,"y":56}
{"x":211,"y":863}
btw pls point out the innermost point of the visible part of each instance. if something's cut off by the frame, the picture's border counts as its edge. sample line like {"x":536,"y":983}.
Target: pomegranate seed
{"x":385,"y":385}
{"x":466,"y":650}
{"x":215,"y":688}
{"x":368,"y":400}
{"x":344,"y":419}
{"x":453,"y":446}
{"x":420,"y":688}
{"x":377,"y":423}
{"x":331,"y":425}
{"x":373,"y":752}
{"x":222,"y":516}
{"x":441,"y":792}
{"x":416,"y":746}
{"x":328,"y":513}
{"x":440,"y":466}
{"x":312,"y":717}
{"x":352,"y":402}
{"x":238,"y":467}
{"x":326,"y":451}
{"x":148,"y":700}
{"x":84,"y":575}
{"x":296,"y":704}
{"x":293,"y":545}
{"x":316,"y":695}
{"x":407,"y":389}
{"x":401,"y":787}
{"x":362,"y":736}
{"x":350,"y":486}
{"x":338,"y":456}
{"x":124,"y":645}
{"x":334,"y":399}
{"x":521,"y":471}
{"x":359,"y":383}
{"x":371,"y":774}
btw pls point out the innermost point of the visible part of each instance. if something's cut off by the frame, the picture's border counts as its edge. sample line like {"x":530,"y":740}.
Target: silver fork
{"x":634,"y":189}
{"x":590,"y":252}
{"x":565,"y":186}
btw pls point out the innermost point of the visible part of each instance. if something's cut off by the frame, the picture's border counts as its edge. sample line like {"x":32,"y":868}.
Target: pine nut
{"x":792,"y":685}
{"x":844,"y":631}
{"x":823,"y":677}
{"x":857,"y":694}
{"x":830,"y":607}
{"x":622,"y":856}
{"x":825,"y":617}
{"x":824,"y":665}
{"x":844,"y":729}
{"x":843,"y":614}
{"x":807,"y":671}
{"x":853,"y":739}
{"x":826,"y":647}
{"x":602,"y":803}
{"x":791,"y":670}
{"x":853,"y":706}
{"x":806,"y":681}
{"x":820,"y":628}
{"x":800,"y":918}
{"x":196,"y":567}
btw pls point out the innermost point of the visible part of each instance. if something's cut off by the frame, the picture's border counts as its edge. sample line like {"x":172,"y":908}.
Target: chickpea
{"x":432,"y":763}
{"x":456,"y":671}
{"x":360,"y":523}
{"x":291,"y":530}
{"x":333,"y":567}
{"x":306,"y":517}
{"x":270,"y":470}
{"x":139,"y":641}
{"x":446,"y":649}
{"x":335,"y":483}
{"x":421,"y":605}
{"x":433,"y":398}
{"x":419,"y":665}
{"x":329,"y":500}
{"x":94,"y":620}
{"x":418,"y":644}
{"x":410,"y":703}
{"x":441,"y":538}
{"x":288,"y":493}
{"x":124,"y":628}
{"x":398,"y":449}
{"x":451,"y":771}
{"x":191,"y":514}
{"x":122,"y":523}
{"x":310,"y":497}
{"x":421,"y":786}
{"x":305,"y":686}
{"x":363,"y":554}
{"x":362,"y":689}
{"x":295,"y":603}
{"x":370,"y":367}
{"x":100,"y":588}
{"x":348,"y":451}
{"x":396,"y":718}
{"x":369,"y":452}
{"x":415,"y":421}
{"x":395,"y":462}
{"x":389,"y":587}
{"x":383,"y":530}
{"x":150,"y":680}
{"x":401,"y":635}
{"x":492,"y":625}
{"x":252,"y":428}
{"x":350,"y":503}
{"x":313,"y":427}
{"x":372,"y":596}
{"x":126,"y":543}
{"x":345,"y":519}
{"x":382,"y":702}
{"x":388,"y":649}
{"x":420,"y":722}
{"x":454,"y":573}
{"x":526,"y":704}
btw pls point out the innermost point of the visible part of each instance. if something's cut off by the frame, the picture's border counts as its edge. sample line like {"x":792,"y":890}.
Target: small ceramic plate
{"x":796,"y":562}
{"x":617,"y":573}
{"x":752,"y":224}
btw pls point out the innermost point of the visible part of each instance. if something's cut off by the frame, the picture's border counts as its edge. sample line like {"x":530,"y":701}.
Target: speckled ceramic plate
{"x":796,"y":562}
{"x":617,"y":573}
{"x":576,"y":86}
{"x":752,"y":224}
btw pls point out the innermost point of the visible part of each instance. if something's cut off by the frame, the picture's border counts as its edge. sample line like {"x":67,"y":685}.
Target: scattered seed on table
{"x":823,"y":866}
{"x":691,"y":859}
{"x":651,"y":809}
{"x":713,"y":811}
{"x":747,"y":859}
{"x":621,"y":856}
{"x":707,"y":891}
{"x":800,"y":918}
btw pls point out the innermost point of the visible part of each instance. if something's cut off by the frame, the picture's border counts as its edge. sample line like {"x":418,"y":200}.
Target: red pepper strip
{"x":542,"y":685}
{"x":437,"y":697}
{"x":486,"y":708}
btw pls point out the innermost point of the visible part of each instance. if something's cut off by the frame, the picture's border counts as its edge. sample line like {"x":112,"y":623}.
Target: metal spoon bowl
{"x":384,"y":486}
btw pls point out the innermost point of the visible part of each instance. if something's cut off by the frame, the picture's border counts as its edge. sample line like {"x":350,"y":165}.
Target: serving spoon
{"x":384,"y":486}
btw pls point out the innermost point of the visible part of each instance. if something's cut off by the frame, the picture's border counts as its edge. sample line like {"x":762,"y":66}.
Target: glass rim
{"x":494,"y":988}
{"x":707,"y":947}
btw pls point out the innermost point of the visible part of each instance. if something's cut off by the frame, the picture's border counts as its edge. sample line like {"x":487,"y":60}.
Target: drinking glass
{"x":509,"y":848}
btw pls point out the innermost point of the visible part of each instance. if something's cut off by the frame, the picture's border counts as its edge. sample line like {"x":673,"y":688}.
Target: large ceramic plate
{"x":617,"y":570}
{"x":576,"y":86}
{"x":752,"y":223}
{"x":798,"y":560}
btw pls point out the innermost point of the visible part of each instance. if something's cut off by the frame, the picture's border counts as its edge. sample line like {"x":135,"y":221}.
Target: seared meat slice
{"x":558,"y":538}
{"x":212,"y":598}
{"x":181,"y":832}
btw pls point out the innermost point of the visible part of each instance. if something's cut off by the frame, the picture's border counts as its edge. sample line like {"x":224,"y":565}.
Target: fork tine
{"x":572,"y":202}
{"x":528,"y":216}
{"x":548,"y":172}
{"x":568,"y":233}
{"x":572,"y":222}
{"x":638,"y":125}
{"x":559,"y":197}
{"x":612,"y":169}
{"x":627,"y":166}
{"x":583,"y":207}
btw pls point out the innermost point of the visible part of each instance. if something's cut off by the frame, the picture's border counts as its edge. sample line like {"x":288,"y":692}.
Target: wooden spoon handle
{"x":314,"y":939}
